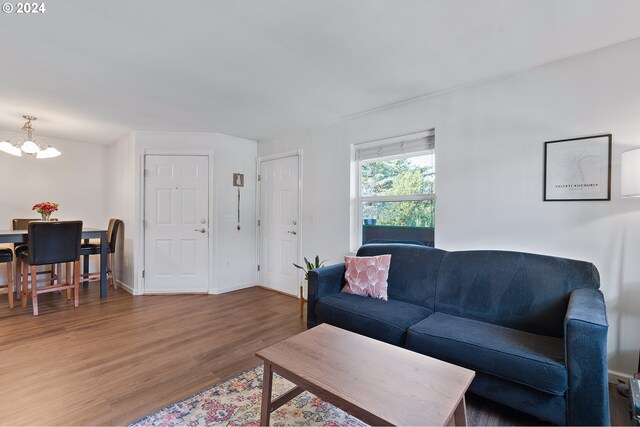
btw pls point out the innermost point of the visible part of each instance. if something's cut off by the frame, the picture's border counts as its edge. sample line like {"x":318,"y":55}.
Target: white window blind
{"x":398,"y":146}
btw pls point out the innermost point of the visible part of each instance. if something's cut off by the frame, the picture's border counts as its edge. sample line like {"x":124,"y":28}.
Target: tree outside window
{"x":398,"y":192}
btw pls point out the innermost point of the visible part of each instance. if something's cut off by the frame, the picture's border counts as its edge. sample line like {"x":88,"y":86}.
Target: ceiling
{"x":92,"y":71}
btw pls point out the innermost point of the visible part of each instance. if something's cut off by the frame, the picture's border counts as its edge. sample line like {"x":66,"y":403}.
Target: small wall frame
{"x":238,"y":180}
{"x":577,"y":169}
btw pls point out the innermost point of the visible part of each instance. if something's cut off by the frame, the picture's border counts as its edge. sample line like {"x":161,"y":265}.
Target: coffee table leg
{"x":460,"y":414}
{"x":265,"y":413}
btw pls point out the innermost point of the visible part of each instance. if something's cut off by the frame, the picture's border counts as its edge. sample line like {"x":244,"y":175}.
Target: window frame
{"x":357,"y":197}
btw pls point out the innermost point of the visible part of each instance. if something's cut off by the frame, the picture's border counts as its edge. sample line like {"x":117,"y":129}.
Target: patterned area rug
{"x":236,"y":402}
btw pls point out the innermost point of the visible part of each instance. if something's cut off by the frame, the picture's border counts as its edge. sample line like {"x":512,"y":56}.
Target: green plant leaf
{"x":310,"y":265}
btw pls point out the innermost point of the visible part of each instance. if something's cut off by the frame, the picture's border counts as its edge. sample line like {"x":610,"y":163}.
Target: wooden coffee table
{"x":379,"y":383}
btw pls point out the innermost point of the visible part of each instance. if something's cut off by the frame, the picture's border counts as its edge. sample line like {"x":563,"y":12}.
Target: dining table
{"x":21,"y":236}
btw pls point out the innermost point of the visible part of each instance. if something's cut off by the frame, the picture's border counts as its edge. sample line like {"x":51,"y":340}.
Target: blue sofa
{"x":533,"y":327}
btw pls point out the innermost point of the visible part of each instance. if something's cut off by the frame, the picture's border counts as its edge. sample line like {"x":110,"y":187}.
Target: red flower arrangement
{"x":45,"y":207}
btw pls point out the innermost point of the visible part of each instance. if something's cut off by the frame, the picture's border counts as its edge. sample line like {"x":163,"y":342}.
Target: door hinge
{"x":258,"y":223}
{"x":259,"y":178}
{"x":258,"y":267}
{"x":143,"y":274}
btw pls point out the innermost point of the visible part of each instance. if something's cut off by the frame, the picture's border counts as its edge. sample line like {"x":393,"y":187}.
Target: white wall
{"x":75,"y":180}
{"x":235,"y":264}
{"x":121,"y":196}
{"x":489,"y":144}
{"x":95,"y":183}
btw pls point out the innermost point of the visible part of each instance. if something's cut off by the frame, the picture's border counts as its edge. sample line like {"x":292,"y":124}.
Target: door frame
{"x":297,"y":153}
{"x":213,"y":230}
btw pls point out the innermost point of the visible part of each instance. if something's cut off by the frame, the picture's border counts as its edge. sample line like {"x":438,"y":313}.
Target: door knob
{"x":202,"y":230}
{"x":292,"y":232}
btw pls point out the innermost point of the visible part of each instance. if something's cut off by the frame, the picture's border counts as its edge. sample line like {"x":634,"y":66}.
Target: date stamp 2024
{"x":24,"y":8}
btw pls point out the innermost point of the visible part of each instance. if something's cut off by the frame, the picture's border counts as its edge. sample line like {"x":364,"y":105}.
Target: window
{"x":395,"y":189}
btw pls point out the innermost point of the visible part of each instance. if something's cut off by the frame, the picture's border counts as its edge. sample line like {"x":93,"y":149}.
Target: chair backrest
{"x":112,"y":233}
{"x":54,"y":242}
{"x":23,"y":223}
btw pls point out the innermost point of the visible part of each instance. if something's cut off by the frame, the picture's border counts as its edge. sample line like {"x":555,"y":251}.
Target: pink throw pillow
{"x":367,"y":276}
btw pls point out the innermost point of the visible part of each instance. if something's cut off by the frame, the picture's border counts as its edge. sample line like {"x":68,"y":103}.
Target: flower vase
{"x":46,"y":216}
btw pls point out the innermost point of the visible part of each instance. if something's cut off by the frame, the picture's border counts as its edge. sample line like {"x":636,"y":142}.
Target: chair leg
{"x":10,"y":283}
{"x":113,"y":271}
{"x":34,"y":290}
{"x":18,"y":279}
{"x":59,"y":270}
{"x":110,"y":270}
{"x":67,"y":278}
{"x":76,"y":283}
{"x":25,"y":284}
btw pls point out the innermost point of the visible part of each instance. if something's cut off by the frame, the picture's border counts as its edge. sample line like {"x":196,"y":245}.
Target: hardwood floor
{"x":112,"y":362}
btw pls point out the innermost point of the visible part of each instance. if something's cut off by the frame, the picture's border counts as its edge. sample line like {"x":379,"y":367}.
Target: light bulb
{"x":30,"y":147}
{"x":9,"y":148}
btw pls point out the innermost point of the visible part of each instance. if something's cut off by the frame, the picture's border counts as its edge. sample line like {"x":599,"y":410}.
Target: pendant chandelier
{"x":29,"y":146}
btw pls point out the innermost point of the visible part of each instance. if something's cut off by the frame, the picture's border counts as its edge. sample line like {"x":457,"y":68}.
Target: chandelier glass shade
{"x":17,"y":145}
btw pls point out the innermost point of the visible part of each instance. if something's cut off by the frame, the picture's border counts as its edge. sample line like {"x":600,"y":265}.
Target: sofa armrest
{"x":323,"y":281}
{"x":585,"y":341}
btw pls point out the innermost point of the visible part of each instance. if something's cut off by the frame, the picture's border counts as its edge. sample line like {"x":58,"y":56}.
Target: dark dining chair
{"x":94,"y":249}
{"x":23,"y":224}
{"x":6,"y":257}
{"x":52,"y":243}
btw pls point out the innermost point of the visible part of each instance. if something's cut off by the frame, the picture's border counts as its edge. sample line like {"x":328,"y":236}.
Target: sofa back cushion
{"x":413,"y":272}
{"x":514,"y":289}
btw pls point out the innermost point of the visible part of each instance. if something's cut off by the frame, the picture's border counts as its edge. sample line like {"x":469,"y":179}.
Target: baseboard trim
{"x":278,"y":291}
{"x":125,"y":287}
{"x":167,"y":293}
{"x":616,"y":376}
{"x":232,"y":288}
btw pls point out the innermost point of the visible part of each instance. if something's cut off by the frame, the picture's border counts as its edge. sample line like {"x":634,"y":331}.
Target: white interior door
{"x":279,"y":224}
{"x":176,"y":224}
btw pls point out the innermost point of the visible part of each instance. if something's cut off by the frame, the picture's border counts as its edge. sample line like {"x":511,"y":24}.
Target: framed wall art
{"x":578,"y":169}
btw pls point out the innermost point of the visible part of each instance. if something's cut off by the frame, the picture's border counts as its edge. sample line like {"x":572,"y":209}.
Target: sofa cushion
{"x":518,"y":290}
{"x":383,"y":320}
{"x":413,"y":272}
{"x":530,"y":359}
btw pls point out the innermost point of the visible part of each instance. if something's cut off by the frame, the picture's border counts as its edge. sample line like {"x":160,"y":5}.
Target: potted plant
{"x":307,"y":268}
